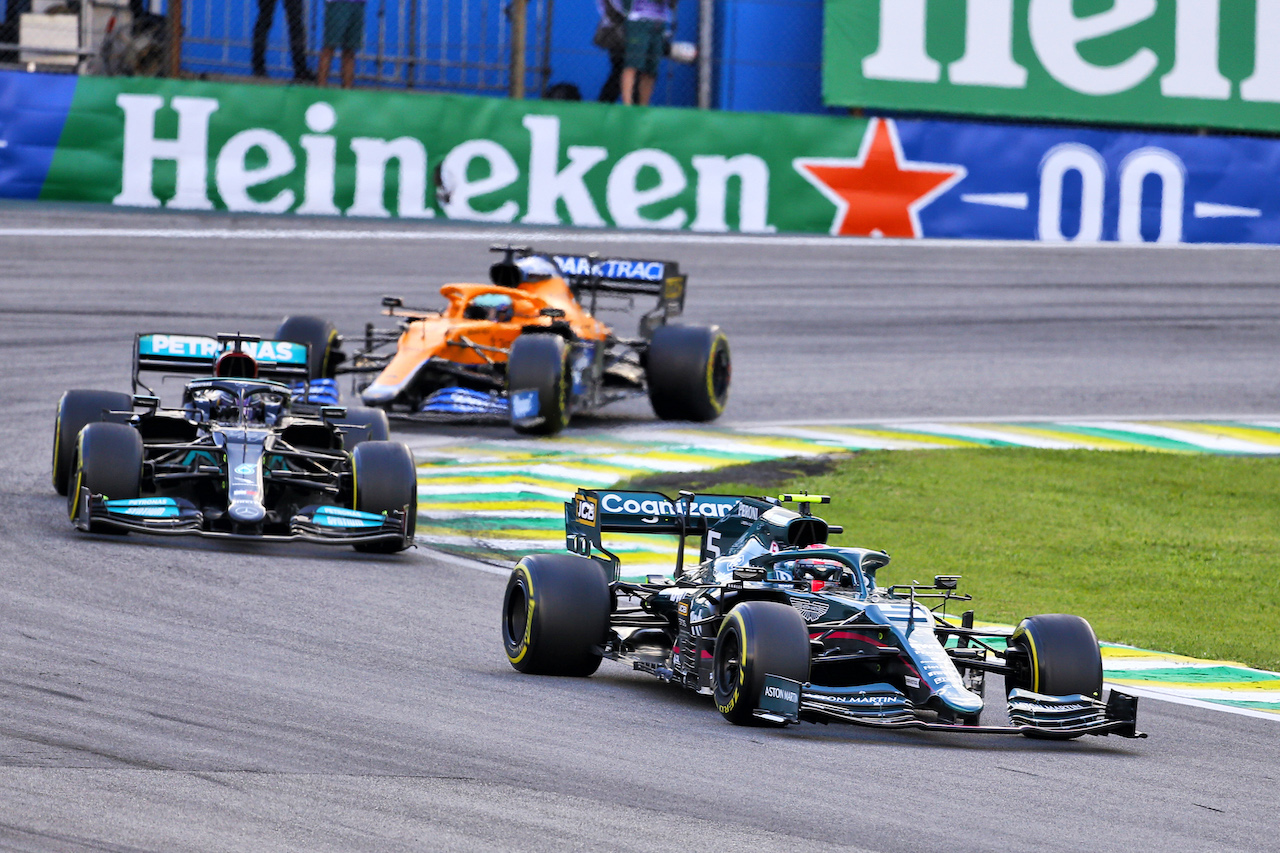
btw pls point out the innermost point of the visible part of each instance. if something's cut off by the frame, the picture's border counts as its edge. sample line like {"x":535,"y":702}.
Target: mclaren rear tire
{"x":538,"y":384}
{"x":77,"y":409}
{"x":321,"y":338}
{"x":365,"y":424}
{"x":1056,"y":654}
{"x":386,"y":480}
{"x":555,"y":615}
{"x":688,"y":370}
{"x":108,"y":462}
{"x":756,"y":639}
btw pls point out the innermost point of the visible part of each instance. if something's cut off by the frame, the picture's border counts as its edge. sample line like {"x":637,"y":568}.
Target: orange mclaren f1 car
{"x":527,"y":346}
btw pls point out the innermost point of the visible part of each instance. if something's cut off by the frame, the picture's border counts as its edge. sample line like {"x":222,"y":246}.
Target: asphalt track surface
{"x":181,"y":695}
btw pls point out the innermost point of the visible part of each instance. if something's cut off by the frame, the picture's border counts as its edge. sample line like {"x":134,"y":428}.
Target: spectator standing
{"x":297,"y":38}
{"x":647,"y":22}
{"x":343,"y":28}
{"x":611,"y":36}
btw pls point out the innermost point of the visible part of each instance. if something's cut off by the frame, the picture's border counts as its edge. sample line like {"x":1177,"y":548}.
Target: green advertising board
{"x":214,"y":146}
{"x":1198,"y":63}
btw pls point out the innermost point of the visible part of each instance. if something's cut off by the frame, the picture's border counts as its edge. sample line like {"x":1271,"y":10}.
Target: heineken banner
{"x":1199,"y":63}
{"x":307,"y":151}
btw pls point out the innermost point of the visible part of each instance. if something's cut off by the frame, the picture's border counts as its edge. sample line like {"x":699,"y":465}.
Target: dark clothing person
{"x":611,"y":36}
{"x":612,"y":88}
{"x":9,"y":26}
{"x":297,"y":37}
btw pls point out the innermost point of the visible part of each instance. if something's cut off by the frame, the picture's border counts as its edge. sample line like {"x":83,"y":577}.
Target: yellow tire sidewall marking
{"x":523,"y":572}
{"x":728,"y":707}
{"x":711,"y":369}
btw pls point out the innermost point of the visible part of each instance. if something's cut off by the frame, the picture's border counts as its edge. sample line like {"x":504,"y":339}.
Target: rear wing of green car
{"x":593,"y":512}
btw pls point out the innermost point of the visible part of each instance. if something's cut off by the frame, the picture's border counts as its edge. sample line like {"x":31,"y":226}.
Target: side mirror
{"x":392,"y":302}
{"x":873,"y":560}
{"x":946,"y":581}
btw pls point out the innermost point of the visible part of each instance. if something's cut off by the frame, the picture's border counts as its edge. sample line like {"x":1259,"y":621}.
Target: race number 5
{"x":1092,"y":170}
{"x":713,"y":544}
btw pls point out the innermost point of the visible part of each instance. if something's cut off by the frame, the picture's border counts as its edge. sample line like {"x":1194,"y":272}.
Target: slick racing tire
{"x":555,"y":615}
{"x":366,"y":424}
{"x":1055,"y":654}
{"x":76,"y":409}
{"x":539,"y":363}
{"x":386,"y":480}
{"x":108,"y":461}
{"x":688,"y":370}
{"x":321,"y":338}
{"x":756,"y":639}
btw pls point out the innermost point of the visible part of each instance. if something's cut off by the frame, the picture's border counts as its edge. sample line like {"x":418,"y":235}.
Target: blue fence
{"x":767,"y":54}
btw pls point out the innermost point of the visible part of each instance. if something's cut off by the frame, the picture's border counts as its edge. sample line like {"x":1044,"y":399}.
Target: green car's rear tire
{"x":321,"y":338}
{"x":756,"y":639}
{"x":1056,"y":654}
{"x":539,"y":363}
{"x":555,"y":615}
{"x":688,"y":370}
{"x":108,"y":462}
{"x":386,"y":480}
{"x":76,"y":409}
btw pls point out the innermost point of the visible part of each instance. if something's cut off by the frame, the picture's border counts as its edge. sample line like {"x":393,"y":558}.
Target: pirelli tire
{"x":756,"y":638}
{"x":385,"y":481}
{"x":321,"y":338}
{"x":76,"y":409}
{"x":555,"y":615}
{"x":1056,"y":654}
{"x":539,"y":363}
{"x":363,"y":423}
{"x":108,"y":462}
{"x":688,"y":369}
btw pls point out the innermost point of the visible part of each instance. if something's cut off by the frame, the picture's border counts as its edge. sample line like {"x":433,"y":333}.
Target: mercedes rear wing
{"x":158,"y":352}
{"x":592,"y":512}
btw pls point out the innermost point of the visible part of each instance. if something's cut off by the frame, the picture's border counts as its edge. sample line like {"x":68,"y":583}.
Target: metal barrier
{"x":461,"y":45}
{"x":734,"y":54}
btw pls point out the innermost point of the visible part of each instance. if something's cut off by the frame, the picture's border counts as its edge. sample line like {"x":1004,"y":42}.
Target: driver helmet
{"x":210,"y":404}
{"x":537,"y":268}
{"x":816,"y":568}
{"x":265,"y":407}
{"x":494,"y":307}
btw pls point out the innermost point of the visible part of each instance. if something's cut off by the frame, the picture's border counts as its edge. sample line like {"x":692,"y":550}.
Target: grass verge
{"x":1179,"y":553}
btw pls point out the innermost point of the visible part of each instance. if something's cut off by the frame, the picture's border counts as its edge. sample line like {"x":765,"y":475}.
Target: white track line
{"x":1144,"y":693}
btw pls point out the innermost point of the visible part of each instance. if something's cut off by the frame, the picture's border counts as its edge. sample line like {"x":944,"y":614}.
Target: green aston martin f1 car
{"x":780,"y":627}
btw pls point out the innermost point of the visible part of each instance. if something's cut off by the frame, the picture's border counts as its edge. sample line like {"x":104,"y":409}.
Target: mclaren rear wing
{"x":158,"y":352}
{"x":592,"y":512}
{"x":590,"y":275}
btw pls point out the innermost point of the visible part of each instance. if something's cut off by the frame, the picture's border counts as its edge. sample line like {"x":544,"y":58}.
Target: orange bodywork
{"x":451,"y":336}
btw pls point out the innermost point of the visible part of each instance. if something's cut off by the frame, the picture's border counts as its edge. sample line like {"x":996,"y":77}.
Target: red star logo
{"x":879,"y":193}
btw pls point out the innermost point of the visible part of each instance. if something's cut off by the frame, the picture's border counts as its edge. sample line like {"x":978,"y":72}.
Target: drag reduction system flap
{"x":158,"y":352}
{"x":592,"y":512}
{"x":625,"y":275}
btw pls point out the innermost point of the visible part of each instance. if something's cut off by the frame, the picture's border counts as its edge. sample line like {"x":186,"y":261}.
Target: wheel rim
{"x":516,"y":622}
{"x":720,"y":372}
{"x":728,"y":669}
